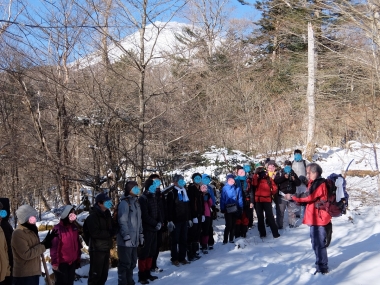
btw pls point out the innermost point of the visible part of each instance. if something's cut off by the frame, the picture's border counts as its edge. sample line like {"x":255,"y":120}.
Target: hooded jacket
{"x":231,"y":194}
{"x":66,"y":246}
{"x":130,"y":223}
{"x":314,"y":216}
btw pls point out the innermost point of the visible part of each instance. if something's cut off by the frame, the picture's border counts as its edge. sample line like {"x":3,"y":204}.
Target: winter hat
{"x":288,"y":162}
{"x":24,"y":212}
{"x":128,"y":186}
{"x":66,"y":211}
{"x":177,"y":177}
{"x":102,"y":197}
{"x":230,"y":175}
{"x":205,"y":176}
{"x":271,"y":162}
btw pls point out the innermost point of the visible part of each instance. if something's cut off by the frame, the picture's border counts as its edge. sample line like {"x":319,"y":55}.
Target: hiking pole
{"x":48,"y":281}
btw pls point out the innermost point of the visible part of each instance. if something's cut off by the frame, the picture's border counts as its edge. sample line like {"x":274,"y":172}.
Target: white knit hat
{"x":24,"y":212}
{"x":66,"y":211}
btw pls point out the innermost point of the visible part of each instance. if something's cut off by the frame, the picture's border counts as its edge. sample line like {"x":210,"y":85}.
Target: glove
{"x":128,"y":242}
{"x":171,"y":226}
{"x":49,"y":238}
{"x":158,"y":226}
{"x":195,"y":221}
{"x":142,"y":241}
{"x":189,"y":223}
{"x":203,"y":218}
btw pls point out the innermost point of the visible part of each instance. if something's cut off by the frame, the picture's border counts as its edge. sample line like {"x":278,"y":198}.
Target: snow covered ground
{"x":354,"y":253}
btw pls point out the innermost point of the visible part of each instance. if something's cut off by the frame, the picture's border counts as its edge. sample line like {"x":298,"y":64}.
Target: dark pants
{"x":7,"y":280}
{"x":194,"y":233}
{"x":318,"y":242}
{"x":127,"y":262}
{"x":65,"y":275}
{"x":249,"y":213}
{"x":157,"y":250}
{"x":266,"y":207}
{"x":178,"y":241}
{"x":99,"y":265}
{"x":229,"y":230}
{"x":211,"y":240}
{"x":150,"y":245}
{"x":30,"y":280}
{"x":205,"y":232}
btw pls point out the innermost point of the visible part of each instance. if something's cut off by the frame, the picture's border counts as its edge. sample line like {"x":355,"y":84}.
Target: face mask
{"x":108,"y":204}
{"x":73,"y":217}
{"x":247,"y":168}
{"x":32,"y":220}
{"x":3,"y":213}
{"x":287,"y":169}
{"x":181,"y":183}
{"x":156,"y":183}
{"x":152,"y":188}
{"x":197,"y":179}
{"x":135,"y":190}
{"x":298,"y":157}
{"x":206,"y":180}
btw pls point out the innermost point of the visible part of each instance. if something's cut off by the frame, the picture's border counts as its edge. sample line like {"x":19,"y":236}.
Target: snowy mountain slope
{"x":160,"y":40}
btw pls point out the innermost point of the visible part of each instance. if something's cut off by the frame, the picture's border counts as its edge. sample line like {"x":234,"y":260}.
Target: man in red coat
{"x":316,"y":218}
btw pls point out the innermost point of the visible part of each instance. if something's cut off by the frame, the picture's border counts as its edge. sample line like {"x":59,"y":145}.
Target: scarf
{"x":182,"y":194}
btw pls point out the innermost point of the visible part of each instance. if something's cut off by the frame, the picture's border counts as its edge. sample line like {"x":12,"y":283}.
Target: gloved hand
{"x":203,"y":218}
{"x":189,"y":223}
{"x":128,"y":242}
{"x":49,"y":238}
{"x":171,"y":226}
{"x":142,"y":241}
{"x":195,"y":221}
{"x":158,"y":226}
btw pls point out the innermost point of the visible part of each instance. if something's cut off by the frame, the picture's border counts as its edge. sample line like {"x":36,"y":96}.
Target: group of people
{"x":293,"y":187}
{"x":187,"y":213}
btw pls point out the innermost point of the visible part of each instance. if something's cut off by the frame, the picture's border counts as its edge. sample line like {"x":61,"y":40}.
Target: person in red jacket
{"x":316,"y":218}
{"x":65,"y":251}
{"x":265,"y":189}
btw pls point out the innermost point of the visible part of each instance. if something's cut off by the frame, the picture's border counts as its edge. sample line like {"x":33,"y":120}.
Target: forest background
{"x":303,"y":73}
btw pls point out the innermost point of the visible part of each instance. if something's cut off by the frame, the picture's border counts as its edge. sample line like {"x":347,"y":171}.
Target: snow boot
{"x":142,"y":277}
{"x":150,"y":276}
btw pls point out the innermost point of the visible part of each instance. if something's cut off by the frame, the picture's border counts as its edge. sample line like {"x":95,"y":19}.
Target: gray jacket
{"x":129,"y":219}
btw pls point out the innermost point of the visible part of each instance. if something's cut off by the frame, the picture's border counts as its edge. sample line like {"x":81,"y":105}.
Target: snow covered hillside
{"x":354,"y":253}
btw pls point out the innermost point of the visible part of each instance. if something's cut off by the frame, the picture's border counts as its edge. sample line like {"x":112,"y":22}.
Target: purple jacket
{"x":66,"y":247}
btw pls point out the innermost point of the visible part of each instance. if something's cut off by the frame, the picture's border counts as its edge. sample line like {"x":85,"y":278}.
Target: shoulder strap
{"x":304,"y":163}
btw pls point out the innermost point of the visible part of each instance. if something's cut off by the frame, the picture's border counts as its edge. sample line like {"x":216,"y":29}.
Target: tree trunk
{"x":310,"y":92}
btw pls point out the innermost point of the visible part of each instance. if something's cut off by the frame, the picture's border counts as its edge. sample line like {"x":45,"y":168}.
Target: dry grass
{"x":360,"y":173}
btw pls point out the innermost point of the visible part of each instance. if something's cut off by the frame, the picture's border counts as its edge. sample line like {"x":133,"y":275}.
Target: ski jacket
{"x":177,"y":210}
{"x":314,"y":216}
{"x":265,"y":188}
{"x":99,"y":226}
{"x":231,"y":194}
{"x":207,"y":203}
{"x":130,"y":223}
{"x":66,"y":246}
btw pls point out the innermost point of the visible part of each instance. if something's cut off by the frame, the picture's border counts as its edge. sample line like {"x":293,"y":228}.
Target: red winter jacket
{"x":314,"y":216}
{"x":66,"y":247}
{"x":263,"y":192}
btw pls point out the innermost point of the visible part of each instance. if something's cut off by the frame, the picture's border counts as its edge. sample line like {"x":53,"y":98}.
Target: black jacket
{"x":196,"y":201}
{"x":287,"y":185}
{"x":177,"y":211}
{"x":99,"y":225}
{"x":150,"y":212}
